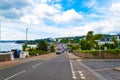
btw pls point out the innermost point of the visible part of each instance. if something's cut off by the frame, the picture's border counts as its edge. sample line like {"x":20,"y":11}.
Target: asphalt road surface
{"x":62,"y":68}
{"x":57,"y":68}
{"x":105,"y":68}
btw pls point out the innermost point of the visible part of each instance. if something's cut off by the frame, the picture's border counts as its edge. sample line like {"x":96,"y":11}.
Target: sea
{"x":11,"y":45}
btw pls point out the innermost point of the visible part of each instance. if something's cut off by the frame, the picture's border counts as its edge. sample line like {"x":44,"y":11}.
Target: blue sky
{"x":58,"y":18}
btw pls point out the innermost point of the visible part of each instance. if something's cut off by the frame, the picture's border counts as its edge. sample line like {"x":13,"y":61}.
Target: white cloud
{"x":34,"y":17}
{"x":40,"y":12}
{"x":51,"y":12}
{"x":67,"y":17}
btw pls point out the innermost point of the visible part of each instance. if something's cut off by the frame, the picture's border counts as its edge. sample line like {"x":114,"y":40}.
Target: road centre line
{"x":36,"y":65}
{"x":15,"y":75}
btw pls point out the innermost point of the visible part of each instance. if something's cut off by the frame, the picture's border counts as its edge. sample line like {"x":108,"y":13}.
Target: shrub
{"x":112,"y":52}
{"x":35,"y":52}
{"x":42,"y":45}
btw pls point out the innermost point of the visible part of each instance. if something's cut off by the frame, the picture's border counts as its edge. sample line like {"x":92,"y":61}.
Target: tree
{"x":42,"y":45}
{"x":115,"y":42}
{"x":98,"y":36}
{"x":89,"y":36}
{"x":84,"y":45}
{"x":90,"y":39}
{"x":52,"y":48}
{"x":64,"y":40}
{"x":24,"y":46}
{"x":73,"y":47}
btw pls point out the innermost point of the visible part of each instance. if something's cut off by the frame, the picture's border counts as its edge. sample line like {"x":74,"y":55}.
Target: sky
{"x":58,"y":18}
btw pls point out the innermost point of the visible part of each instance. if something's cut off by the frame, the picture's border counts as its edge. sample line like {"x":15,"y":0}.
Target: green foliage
{"x":89,"y":43}
{"x":89,"y":36}
{"x":90,"y":39}
{"x":88,"y":51}
{"x":109,"y":46}
{"x":24,"y":46}
{"x":52,"y":48}
{"x":64,"y":40}
{"x":35,"y":52}
{"x":98,"y":36}
{"x":42,"y":45}
{"x":73,"y":47}
{"x":96,"y":52}
{"x":115,"y":42}
{"x":84,"y":45}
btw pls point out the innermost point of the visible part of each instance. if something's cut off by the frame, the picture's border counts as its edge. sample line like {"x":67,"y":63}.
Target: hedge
{"x":98,"y":53}
{"x":35,"y":52}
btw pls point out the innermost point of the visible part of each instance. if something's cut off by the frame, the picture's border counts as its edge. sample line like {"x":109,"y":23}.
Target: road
{"x":57,"y":68}
{"x":61,"y":67}
{"x":105,"y":68}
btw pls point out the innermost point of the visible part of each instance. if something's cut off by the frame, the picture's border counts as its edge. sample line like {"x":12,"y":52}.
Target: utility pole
{"x":26,"y":35}
{"x":0,"y":35}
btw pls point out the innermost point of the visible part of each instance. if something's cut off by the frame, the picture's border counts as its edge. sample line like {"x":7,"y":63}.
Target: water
{"x":10,"y":46}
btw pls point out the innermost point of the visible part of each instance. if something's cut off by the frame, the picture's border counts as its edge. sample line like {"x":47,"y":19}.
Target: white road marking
{"x":71,"y":66}
{"x":74,"y":77}
{"x":36,"y":65}
{"x":15,"y":75}
{"x":73,"y":72}
{"x":82,"y":77}
{"x":79,"y":72}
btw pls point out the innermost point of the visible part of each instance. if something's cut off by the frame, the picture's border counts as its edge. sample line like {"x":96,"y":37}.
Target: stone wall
{"x":6,"y":57}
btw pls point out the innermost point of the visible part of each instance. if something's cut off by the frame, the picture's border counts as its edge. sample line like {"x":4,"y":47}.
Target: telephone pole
{"x":26,"y":35}
{"x":0,"y":36}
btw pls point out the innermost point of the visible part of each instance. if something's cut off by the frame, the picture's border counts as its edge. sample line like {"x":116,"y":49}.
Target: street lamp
{"x":0,"y":36}
{"x":26,"y":35}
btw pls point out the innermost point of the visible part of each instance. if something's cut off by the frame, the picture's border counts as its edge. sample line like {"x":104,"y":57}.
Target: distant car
{"x":59,"y":51}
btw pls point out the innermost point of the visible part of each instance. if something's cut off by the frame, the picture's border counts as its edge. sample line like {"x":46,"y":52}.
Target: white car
{"x":59,"y":51}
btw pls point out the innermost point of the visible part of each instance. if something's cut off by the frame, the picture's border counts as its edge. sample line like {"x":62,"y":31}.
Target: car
{"x":59,"y":51}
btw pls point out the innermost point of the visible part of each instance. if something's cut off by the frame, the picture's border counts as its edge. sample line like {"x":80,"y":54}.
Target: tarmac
{"x":18,"y":61}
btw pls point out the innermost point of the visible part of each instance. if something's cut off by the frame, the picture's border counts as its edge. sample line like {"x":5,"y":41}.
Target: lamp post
{"x":26,"y":35}
{"x":0,"y":35}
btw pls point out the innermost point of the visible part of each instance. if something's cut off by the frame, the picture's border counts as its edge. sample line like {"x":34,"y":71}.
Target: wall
{"x":6,"y":57}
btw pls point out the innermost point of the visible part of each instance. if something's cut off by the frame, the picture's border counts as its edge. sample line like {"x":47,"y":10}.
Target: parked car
{"x":16,"y":53}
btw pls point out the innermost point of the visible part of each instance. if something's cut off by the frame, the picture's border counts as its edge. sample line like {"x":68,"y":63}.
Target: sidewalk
{"x":72,"y":56}
{"x":7,"y":64}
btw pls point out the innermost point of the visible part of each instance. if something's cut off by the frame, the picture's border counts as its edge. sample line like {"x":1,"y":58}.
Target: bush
{"x":35,"y":52}
{"x":24,"y":46}
{"x":112,"y":52}
{"x":42,"y":45}
{"x":52,"y":48}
